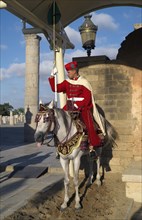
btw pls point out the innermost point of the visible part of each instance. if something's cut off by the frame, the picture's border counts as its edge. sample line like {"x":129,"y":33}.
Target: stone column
{"x":31,"y":85}
{"x":0,"y":119}
{"x":11,"y":122}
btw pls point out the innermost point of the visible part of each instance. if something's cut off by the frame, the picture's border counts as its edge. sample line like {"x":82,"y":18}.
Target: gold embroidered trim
{"x":67,"y":148}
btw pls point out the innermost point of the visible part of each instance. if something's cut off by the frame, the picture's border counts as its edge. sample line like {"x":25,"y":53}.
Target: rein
{"x":66,"y":137}
{"x":50,"y":118}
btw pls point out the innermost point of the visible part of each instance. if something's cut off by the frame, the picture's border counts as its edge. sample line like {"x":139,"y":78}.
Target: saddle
{"x":75,"y":115}
{"x":79,"y":139}
{"x":67,"y":148}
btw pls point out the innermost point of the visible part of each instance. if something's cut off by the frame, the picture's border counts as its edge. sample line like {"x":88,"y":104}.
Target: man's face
{"x":72,"y":74}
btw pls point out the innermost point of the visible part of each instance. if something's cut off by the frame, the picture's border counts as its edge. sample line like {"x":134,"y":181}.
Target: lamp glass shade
{"x":88,"y":36}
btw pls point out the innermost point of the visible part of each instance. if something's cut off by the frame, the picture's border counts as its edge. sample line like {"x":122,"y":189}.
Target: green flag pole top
{"x":54,"y":14}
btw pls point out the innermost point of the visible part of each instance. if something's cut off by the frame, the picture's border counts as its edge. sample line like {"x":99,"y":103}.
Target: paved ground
{"x":25,"y":169}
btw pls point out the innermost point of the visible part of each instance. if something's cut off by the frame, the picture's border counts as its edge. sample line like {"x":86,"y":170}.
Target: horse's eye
{"x":45,"y":118}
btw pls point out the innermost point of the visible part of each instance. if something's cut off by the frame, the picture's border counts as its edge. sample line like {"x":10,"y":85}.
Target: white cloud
{"x":74,"y":53}
{"x":15,"y":69}
{"x":46,"y":61}
{"x":18,"y":69}
{"x":46,"y":65}
{"x":104,"y":21}
{"x":45,"y":68}
{"x":73,"y":35}
{"x":109,"y":51}
{"x":101,"y":40}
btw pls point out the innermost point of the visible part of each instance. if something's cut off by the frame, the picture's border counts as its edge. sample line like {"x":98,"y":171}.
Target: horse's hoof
{"x":98,"y":183}
{"x":89,"y":183}
{"x":78,"y":207}
{"x":62,"y":209}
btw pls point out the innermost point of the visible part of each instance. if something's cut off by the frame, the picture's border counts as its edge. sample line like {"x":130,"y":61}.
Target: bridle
{"x":50,"y":118}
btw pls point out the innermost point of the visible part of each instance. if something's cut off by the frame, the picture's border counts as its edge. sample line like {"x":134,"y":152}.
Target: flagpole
{"x":54,"y":48}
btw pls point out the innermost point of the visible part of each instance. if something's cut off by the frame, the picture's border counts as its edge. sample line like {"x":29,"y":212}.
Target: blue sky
{"x":114,"y":24}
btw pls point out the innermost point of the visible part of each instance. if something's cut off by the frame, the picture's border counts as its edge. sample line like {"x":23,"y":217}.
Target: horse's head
{"x":45,"y":121}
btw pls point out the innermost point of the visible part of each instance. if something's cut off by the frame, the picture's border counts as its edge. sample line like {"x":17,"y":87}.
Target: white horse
{"x":60,"y":122}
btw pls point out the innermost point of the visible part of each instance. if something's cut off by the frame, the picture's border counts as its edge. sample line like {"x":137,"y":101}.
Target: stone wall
{"x":118,"y":90}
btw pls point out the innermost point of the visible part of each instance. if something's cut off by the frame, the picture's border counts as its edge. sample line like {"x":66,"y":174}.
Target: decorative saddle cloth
{"x":79,"y":139}
{"x":67,"y":148}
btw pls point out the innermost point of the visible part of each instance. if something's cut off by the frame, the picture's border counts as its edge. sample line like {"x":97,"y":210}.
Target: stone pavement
{"x":24,"y":169}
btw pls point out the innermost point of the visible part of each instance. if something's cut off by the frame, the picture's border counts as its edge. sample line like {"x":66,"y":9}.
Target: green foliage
{"x":18,"y":111}
{"x":6,"y":108}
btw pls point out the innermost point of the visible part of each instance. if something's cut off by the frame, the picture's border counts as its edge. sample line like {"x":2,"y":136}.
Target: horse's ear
{"x":51,"y":104}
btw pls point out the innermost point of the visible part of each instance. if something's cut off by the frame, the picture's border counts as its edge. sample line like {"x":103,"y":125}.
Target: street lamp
{"x":88,"y":34}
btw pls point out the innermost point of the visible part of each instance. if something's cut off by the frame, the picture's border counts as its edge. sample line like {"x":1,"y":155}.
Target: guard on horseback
{"x":80,"y":98}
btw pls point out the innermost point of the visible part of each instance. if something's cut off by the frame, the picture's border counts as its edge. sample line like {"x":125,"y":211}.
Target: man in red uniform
{"x":79,"y":95}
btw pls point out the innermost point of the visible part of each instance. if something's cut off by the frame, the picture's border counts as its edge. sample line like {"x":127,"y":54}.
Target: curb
{"x":14,"y":170}
{"x":10,"y":168}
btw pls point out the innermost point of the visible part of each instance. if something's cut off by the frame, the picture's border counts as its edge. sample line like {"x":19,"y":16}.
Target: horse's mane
{"x":112,"y":134}
{"x":64,"y":115}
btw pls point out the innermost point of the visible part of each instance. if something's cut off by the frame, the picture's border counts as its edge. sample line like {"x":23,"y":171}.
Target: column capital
{"x":32,"y":36}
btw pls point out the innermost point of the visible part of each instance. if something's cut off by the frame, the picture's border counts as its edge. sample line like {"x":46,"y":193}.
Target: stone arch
{"x":94,"y":6}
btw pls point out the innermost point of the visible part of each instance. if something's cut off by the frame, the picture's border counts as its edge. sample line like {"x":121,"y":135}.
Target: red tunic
{"x":82,"y":97}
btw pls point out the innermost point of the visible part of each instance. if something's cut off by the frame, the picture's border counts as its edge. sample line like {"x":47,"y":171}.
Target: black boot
{"x":93,"y":155}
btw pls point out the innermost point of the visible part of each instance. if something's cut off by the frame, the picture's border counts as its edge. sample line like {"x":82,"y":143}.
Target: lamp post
{"x":88,"y":34}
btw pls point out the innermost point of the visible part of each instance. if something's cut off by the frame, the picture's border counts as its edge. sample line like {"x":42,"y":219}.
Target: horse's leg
{"x":65,"y":166}
{"x":103,"y":174}
{"x":76,"y":162}
{"x":98,"y":177}
{"x":91,"y":171}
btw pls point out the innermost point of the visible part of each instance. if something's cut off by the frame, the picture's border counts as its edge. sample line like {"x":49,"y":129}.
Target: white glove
{"x":54,"y":71}
{"x":75,"y":105}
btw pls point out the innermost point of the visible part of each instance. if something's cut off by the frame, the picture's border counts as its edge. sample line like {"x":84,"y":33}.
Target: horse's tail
{"x":111,"y":134}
